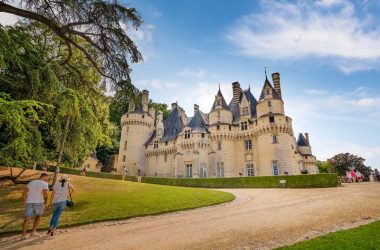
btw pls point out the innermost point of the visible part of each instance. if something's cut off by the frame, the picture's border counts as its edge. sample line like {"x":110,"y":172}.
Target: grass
{"x":104,"y":200}
{"x":292,"y":181}
{"x":363,"y":237}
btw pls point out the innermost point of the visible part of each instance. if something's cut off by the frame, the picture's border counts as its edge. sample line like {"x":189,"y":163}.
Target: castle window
{"x":271,"y":119}
{"x":187,"y":134}
{"x":229,"y":127}
{"x":218,"y":116}
{"x":267,"y":91}
{"x":166,"y":143}
{"x":217,"y":127}
{"x":250,"y":170}
{"x":245,"y":111}
{"x":248,"y":144}
{"x":155,"y":145}
{"x":189,"y":170}
{"x":127,"y":129}
{"x":125,"y":145}
{"x":202,"y":170}
{"x":274,"y":139}
{"x":203,"y":135}
{"x":244,"y":126}
{"x":165,"y":157}
{"x":143,"y":116}
{"x":124,"y":158}
{"x":219,"y":145}
{"x":220,"y":169}
{"x":269,"y":104}
{"x":218,"y":102}
{"x":275,"y":168}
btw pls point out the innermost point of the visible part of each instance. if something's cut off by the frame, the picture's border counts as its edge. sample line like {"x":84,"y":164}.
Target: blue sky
{"x":327,"y":52}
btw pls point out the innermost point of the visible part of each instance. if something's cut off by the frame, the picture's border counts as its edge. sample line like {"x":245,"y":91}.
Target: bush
{"x":292,"y":181}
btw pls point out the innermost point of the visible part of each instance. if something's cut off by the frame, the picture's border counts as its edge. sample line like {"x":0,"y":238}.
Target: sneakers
{"x":34,"y":234}
{"x":23,"y":238}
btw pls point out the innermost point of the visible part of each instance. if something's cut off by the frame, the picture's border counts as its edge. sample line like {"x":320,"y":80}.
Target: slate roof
{"x":234,"y":108}
{"x":173,"y":124}
{"x":301,"y":141}
{"x":252,"y":101}
{"x":274,"y":93}
{"x":149,"y":141}
{"x":197,"y":123}
{"x":224,"y":104}
{"x":138,"y":109}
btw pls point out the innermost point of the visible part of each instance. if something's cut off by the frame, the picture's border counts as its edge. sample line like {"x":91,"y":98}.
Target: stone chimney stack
{"x":276,"y":83}
{"x":183,"y":115}
{"x":236,"y":92}
{"x":174,"y":105}
{"x":196,"y":108}
{"x":307,"y":137}
{"x":131,"y":106}
{"x":145,"y":100}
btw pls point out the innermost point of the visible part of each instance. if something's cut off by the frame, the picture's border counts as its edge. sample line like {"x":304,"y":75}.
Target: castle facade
{"x":247,"y":137}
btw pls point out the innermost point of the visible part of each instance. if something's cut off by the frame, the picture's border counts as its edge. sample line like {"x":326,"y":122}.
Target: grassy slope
{"x":363,"y":237}
{"x":102,"y":199}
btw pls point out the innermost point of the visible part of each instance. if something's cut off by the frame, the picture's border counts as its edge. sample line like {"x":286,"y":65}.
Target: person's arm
{"x":24,"y":195}
{"x":72,"y":188}
{"x":52,"y":198}
{"x":45,"y":193}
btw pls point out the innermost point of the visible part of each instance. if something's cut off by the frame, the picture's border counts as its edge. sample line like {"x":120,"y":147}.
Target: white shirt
{"x":61,"y":193}
{"x":123,"y":171}
{"x":35,"y":192}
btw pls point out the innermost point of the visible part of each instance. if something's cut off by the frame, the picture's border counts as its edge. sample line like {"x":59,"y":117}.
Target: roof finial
{"x":265,"y":70}
{"x":249,"y":86}
{"x":219,"y":86}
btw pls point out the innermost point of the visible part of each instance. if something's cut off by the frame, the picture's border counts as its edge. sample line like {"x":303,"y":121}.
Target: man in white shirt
{"x":34,"y":198}
{"x":124,"y":172}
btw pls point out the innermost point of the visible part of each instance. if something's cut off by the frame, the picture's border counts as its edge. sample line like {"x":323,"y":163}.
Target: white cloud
{"x":193,"y":73}
{"x":366,"y":102}
{"x":8,"y":19}
{"x":328,"y":29}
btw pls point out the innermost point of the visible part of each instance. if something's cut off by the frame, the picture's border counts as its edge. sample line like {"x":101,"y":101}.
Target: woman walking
{"x":58,"y":201}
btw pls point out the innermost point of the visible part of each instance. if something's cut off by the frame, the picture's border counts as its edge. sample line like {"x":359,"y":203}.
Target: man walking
{"x":34,"y":198}
{"x":139,"y":175}
{"x":124,"y":172}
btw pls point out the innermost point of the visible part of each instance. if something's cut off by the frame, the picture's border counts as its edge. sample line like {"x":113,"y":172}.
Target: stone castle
{"x":247,"y":137}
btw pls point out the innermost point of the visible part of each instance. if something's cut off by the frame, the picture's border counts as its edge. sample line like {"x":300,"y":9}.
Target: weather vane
{"x":265,"y":70}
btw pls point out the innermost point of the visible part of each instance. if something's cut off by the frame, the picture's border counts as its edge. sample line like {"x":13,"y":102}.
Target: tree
{"x":101,"y":25}
{"x":324,"y":166}
{"x":161,"y":107}
{"x":344,"y":162}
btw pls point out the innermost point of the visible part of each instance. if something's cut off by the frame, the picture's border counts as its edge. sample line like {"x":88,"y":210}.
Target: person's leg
{"x":39,"y":210}
{"x":60,"y":207}
{"x":53,"y":220}
{"x":25,"y":226}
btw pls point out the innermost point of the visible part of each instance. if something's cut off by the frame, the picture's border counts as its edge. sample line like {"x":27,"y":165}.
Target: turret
{"x":159,"y":124}
{"x":145,"y":100}
{"x":220,"y":112}
{"x":270,"y":101}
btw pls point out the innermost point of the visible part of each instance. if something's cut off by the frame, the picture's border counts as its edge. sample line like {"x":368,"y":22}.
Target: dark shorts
{"x":32,"y":209}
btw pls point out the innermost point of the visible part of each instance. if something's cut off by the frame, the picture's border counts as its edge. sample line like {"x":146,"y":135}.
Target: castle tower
{"x":274,"y":138}
{"x":308,"y":161}
{"x":136,"y":128}
{"x":220,"y":112}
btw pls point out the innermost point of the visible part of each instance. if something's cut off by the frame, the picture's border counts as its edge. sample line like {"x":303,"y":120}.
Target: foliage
{"x":104,"y":200}
{"x":161,"y":107}
{"x":324,"y":167}
{"x":98,"y":29}
{"x":363,"y":237}
{"x":20,"y":140}
{"x":292,"y":181}
{"x":344,"y":162}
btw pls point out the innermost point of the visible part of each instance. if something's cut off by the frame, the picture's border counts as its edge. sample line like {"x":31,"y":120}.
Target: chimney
{"x":145,"y":100}
{"x":183,"y":115}
{"x":276,"y":83}
{"x":196,"y":108}
{"x":159,"y":116}
{"x":174,"y":105}
{"x":131,"y":106}
{"x":236,"y":92}
{"x":307,"y":136}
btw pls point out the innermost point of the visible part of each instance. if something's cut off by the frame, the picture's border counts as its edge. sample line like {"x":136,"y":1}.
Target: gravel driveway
{"x":257,"y":219}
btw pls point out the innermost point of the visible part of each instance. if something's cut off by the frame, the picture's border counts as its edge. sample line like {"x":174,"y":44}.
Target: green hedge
{"x":292,"y":181}
{"x":73,"y":171}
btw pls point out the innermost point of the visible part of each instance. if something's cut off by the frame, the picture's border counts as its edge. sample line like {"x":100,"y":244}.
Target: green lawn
{"x":363,"y":237}
{"x":103,"y":199}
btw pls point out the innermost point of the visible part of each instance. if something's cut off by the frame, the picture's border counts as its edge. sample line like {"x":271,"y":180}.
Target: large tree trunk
{"x":60,"y":154}
{"x":13,"y":178}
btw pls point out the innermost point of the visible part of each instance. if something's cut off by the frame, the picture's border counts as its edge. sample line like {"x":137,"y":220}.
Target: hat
{"x":64,"y":177}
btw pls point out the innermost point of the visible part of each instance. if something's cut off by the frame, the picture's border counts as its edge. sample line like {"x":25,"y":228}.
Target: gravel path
{"x":257,"y":219}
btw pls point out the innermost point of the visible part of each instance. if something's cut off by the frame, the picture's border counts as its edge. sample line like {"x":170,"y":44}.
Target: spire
{"x":223,"y":104}
{"x":265,"y":71}
{"x":272,"y":91}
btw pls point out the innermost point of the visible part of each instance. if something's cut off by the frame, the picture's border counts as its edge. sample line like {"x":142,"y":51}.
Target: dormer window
{"x":271,"y":119}
{"x":269,"y":104}
{"x":218,"y":102}
{"x":187,"y":134}
{"x":245,"y":111}
{"x":244,"y":126}
{"x":274,"y":139}
{"x":155,"y":144}
{"x":267,"y":91}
